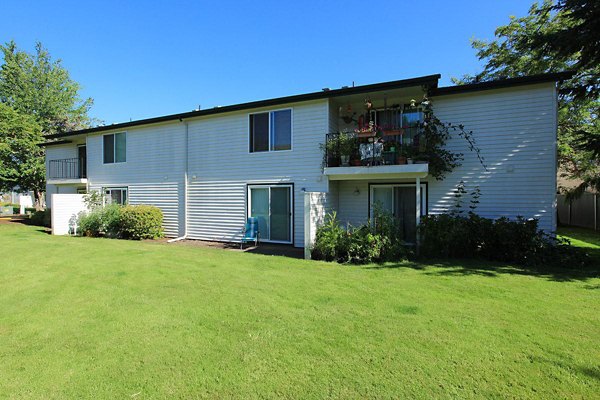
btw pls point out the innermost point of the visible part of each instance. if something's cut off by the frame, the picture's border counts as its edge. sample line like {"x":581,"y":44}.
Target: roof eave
{"x":428,"y":80}
{"x":502,"y":83}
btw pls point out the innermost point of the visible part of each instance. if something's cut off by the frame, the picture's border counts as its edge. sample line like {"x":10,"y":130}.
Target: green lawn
{"x":99,"y":318}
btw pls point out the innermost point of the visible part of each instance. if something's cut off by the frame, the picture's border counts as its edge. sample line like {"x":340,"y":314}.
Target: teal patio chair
{"x":250,"y":232}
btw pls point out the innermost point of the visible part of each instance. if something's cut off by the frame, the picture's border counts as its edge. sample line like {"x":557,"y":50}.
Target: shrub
{"x":329,"y":239}
{"x":364,"y":246}
{"x":90,"y":224}
{"x":141,"y":222}
{"x":110,"y":217}
{"x":103,"y":221}
{"x":515,"y":241}
{"x":41,"y":218}
{"x":367,"y":243}
{"x":116,"y":221}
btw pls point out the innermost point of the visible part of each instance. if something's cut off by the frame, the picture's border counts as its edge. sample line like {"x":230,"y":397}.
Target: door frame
{"x":424,"y":195}
{"x":250,"y":186}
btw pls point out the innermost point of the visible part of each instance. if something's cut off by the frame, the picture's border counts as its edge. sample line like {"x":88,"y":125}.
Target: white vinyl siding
{"x":516,"y":131}
{"x":153,"y":172}
{"x":221,"y":168}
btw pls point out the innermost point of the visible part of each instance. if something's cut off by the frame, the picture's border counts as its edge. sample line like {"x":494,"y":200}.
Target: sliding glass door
{"x":400,"y":201}
{"x":272,"y":205}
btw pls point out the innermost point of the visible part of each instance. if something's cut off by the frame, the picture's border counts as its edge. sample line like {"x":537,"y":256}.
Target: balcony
{"x":375,"y":154}
{"x":67,"y":171}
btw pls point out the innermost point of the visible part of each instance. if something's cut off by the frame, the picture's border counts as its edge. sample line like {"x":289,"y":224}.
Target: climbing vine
{"x":433,"y":148}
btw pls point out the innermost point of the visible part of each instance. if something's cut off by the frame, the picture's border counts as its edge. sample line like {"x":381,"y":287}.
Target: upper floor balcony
{"x":375,"y":153}
{"x":67,"y":171}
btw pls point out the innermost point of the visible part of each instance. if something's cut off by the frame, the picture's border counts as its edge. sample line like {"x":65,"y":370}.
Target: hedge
{"x":127,"y":222}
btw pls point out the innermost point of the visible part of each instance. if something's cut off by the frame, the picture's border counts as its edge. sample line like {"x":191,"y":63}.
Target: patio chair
{"x":250,"y":232}
{"x":371,"y":153}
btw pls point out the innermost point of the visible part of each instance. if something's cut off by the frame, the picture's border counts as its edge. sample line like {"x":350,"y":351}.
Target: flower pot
{"x":345,"y":161}
{"x":409,"y":160}
{"x":401,"y":160}
{"x":355,"y":163}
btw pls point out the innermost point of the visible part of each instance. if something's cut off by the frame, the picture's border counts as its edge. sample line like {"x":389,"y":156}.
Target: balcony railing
{"x":68,"y":168}
{"x":387,"y":147}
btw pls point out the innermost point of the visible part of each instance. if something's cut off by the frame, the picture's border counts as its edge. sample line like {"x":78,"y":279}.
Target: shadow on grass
{"x":26,"y":221}
{"x":493,"y":269}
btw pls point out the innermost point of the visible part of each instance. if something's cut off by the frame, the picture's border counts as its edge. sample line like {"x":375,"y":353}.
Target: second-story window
{"x":271,"y":131}
{"x":115,"y":148}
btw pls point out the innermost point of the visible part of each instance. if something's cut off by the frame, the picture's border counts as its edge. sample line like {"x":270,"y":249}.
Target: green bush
{"x":377,"y":242}
{"x":141,"y":222}
{"x":127,"y":222}
{"x":90,"y":224}
{"x":515,"y":241}
{"x":41,"y":218}
{"x":110,"y":216}
{"x":329,"y":241}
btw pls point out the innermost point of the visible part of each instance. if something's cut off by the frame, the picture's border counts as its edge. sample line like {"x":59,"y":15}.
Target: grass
{"x":99,"y":318}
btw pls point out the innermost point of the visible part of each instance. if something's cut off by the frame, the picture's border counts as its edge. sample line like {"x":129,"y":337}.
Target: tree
{"x":37,"y":98}
{"x":21,"y":159}
{"x":36,"y":85}
{"x":556,"y":37}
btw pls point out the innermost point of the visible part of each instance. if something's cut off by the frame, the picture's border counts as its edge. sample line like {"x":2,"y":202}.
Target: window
{"x":115,"y":195}
{"x":271,"y":131}
{"x":115,"y":148}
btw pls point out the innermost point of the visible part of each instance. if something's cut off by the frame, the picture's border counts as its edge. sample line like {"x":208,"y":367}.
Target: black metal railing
{"x":385,"y":147}
{"x":68,"y":168}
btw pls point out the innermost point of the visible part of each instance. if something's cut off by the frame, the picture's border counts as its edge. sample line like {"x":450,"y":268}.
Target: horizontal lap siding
{"x":165,"y":195}
{"x":516,"y":132}
{"x":162,"y":195}
{"x":221,"y":167}
{"x":216,"y":210}
{"x":153,"y":172}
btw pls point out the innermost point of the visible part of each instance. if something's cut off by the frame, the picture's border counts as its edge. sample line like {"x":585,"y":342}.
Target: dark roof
{"x":501,"y":83}
{"x":55,"y":142}
{"x":429,"y":80}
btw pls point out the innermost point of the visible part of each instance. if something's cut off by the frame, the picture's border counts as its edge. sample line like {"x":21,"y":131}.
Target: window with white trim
{"x":115,"y":195}
{"x":115,"y":147}
{"x":271,"y":131}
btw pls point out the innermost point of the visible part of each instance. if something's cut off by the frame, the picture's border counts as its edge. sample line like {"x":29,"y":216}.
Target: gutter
{"x":185,"y":186}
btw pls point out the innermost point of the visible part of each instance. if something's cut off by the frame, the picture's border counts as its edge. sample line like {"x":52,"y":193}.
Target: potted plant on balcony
{"x":401,"y":158}
{"x":347,"y":146}
{"x":331,"y":151}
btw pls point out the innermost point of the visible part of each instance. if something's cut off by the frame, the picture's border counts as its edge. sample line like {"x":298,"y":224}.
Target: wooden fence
{"x":582,"y":212}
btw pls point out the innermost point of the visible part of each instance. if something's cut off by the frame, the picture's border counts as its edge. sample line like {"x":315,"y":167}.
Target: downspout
{"x":185,"y":187}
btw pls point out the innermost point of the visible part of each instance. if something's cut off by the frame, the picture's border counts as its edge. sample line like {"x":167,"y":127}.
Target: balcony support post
{"x":418,"y":209}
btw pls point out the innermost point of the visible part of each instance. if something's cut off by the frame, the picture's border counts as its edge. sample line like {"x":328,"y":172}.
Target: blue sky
{"x":143,"y":59}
